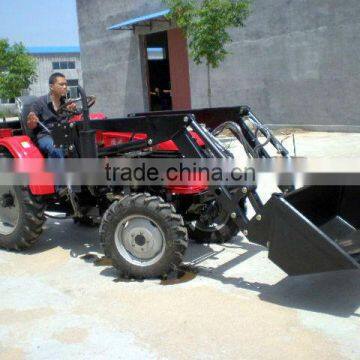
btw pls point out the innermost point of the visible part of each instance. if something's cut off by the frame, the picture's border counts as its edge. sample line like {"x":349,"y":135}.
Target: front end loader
{"x":145,"y":229}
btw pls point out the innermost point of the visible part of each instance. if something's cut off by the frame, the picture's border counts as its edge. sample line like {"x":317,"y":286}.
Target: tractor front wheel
{"x":143,"y":236}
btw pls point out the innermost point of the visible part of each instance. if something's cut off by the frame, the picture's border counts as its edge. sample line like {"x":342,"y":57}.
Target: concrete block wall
{"x":111,"y":59}
{"x":296,"y":62}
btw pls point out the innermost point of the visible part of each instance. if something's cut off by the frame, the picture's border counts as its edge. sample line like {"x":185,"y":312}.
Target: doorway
{"x":168,"y":70}
{"x":159,"y":82}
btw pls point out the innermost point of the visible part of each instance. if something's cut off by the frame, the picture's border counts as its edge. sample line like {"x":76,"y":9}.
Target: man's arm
{"x":33,"y":117}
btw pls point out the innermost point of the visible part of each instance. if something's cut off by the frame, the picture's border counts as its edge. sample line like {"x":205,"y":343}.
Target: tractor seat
{"x":25,"y":106}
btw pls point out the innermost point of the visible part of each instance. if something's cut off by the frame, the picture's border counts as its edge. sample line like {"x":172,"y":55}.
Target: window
{"x":72,"y":88}
{"x":73,"y":82}
{"x":7,"y":101}
{"x":60,"y":65}
{"x":156,"y":53}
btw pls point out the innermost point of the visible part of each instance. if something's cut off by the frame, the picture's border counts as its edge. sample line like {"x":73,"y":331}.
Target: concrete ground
{"x":313,"y":144}
{"x":321,"y":144}
{"x":59,"y":301}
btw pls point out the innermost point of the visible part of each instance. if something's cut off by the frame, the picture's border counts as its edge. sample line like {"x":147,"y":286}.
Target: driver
{"x":44,"y":109}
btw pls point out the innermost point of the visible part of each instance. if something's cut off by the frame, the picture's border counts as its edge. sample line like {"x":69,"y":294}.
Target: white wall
{"x":44,"y":70}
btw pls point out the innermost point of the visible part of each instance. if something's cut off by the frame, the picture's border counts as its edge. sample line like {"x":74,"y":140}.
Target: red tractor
{"x":145,"y":229}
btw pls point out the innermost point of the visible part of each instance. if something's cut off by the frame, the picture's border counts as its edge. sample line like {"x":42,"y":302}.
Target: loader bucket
{"x":312,"y":230}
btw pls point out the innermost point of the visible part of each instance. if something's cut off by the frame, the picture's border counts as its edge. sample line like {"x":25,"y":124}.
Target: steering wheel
{"x":63,"y":109}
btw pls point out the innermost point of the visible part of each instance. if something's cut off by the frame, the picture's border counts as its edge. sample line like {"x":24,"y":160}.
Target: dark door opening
{"x":158,"y":71}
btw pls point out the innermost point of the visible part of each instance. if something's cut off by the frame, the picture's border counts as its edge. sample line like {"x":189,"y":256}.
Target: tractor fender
{"x":22,"y":147}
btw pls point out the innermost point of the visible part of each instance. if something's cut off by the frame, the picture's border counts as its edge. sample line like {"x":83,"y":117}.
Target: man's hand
{"x":72,"y":107}
{"x":32,"y":121}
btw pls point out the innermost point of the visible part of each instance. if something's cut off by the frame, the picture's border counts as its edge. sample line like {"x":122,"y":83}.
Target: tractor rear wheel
{"x":21,"y":217}
{"x":143,"y":236}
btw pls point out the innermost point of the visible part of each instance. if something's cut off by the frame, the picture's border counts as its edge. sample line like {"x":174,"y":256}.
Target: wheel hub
{"x":140,"y":240}
{"x":9,"y":211}
{"x":7,"y":201}
{"x":214,"y":218}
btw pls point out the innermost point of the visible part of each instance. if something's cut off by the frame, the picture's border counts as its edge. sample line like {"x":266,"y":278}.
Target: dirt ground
{"x":61,"y":300}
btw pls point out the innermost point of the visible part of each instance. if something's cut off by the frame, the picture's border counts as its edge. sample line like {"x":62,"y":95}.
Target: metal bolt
{"x":246,"y":233}
{"x":258,"y":217}
{"x":150,"y":142}
{"x":244,"y":190}
{"x":186,"y":119}
{"x":71,"y":147}
{"x":233,"y":215}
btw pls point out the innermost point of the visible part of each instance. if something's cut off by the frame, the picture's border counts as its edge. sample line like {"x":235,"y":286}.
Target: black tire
{"x":165,"y":221}
{"x":29,"y":225}
{"x":220,"y":234}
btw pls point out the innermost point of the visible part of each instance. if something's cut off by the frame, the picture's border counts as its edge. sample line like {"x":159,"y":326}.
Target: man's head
{"x":58,"y":84}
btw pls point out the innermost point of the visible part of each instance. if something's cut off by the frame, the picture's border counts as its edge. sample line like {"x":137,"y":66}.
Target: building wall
{"x":45,"y":69}
{"x":296,"y":62}
{"x":111,"y":59}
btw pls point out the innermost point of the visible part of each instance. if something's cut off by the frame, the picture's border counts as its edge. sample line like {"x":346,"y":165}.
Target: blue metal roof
{"x":129,"y":24}
{"x":53,"y":49}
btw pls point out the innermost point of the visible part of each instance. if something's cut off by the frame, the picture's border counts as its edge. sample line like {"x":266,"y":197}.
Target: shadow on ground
{"x":78,"y":239}
{"x":336,"y":293}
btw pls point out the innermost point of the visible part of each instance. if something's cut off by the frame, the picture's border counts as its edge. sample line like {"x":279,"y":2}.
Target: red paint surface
{"x":184,"y":186}
{"x":111,"y":138}
{"x":5,"y":133}
{"x":41,"y":182}
{"x":93,"y":116}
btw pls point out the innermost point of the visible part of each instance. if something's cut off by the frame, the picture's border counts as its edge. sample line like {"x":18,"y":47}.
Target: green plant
{"x":4,"y":114}
{"x":17,"y":69}
{"x":206,"y":24}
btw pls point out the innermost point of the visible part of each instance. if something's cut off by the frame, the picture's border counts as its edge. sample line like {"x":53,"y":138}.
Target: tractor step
{"x":312,"y":230}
